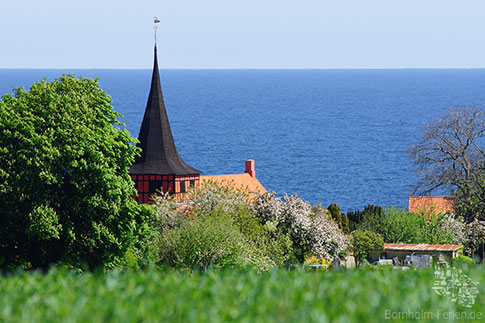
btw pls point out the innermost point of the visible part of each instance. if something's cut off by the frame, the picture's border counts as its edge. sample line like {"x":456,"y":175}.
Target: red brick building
{"x":439,"y":204}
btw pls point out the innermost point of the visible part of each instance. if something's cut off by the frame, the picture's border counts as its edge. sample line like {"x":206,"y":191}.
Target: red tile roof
{"x":426,"y":203}
{"x":421,"y":247}
{"x":238,"y":180}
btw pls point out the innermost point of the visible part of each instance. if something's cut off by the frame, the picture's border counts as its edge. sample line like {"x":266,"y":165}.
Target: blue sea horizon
{"x":329,"y":135}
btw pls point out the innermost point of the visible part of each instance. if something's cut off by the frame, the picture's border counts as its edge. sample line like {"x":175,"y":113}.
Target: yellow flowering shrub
{"x":320,"y":264}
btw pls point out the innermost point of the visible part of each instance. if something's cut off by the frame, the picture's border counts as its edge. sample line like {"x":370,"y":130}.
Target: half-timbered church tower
{"x":159,"y":166}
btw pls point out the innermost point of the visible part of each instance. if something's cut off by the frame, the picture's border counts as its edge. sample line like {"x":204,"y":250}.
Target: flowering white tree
{"x":204,"y":199}
{"x":454,"y":228}
{"x":312,"y":233}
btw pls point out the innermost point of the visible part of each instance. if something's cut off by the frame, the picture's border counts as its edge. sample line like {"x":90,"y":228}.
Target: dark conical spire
{"x":158,"y":155}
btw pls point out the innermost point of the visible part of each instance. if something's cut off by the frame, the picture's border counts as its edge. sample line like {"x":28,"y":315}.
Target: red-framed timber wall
{"x":148,"y":185}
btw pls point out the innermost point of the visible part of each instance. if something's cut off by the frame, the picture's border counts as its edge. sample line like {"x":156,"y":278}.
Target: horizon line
{"x":245,"y":68}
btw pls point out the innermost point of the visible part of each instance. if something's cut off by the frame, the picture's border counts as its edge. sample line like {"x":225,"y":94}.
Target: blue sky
{"x":243,"y":34}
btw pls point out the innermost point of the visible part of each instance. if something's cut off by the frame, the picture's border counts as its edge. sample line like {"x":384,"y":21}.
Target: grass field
{"x":217,"y":296}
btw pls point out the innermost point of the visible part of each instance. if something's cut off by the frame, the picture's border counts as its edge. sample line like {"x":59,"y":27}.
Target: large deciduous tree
{"x":65,"y":192}
{"x":451,"y":154}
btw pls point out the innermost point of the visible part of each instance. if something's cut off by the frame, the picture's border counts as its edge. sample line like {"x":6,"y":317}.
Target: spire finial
{"x":155,"y":26}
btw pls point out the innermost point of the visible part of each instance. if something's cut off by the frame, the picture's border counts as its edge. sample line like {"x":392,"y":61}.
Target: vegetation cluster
{"x":66,"y":198}
{"x":81,"y":249}
{"x":220,"y":225}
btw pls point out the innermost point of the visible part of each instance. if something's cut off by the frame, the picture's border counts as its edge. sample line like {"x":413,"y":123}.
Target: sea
{"x":330,"y":136}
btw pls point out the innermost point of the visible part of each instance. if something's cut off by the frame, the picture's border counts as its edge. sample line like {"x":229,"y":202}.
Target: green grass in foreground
{"x":216,"y":296}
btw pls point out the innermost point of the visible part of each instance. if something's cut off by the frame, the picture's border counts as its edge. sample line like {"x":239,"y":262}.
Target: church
{"x":159,"y":167}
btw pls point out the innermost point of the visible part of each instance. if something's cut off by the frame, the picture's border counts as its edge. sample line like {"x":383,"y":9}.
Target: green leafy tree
{"x":340,"y":218}
{"x":65,"y":192}
{"x":364,"y":242}
{"x":397,"y":226}
{"x":345,"y":224}
{"x":334,"y":210}
{"x":400,"y":226}
{"x":355,"y":218}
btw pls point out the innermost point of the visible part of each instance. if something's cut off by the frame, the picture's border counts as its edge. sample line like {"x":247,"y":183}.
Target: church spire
{"x":158,"y":155}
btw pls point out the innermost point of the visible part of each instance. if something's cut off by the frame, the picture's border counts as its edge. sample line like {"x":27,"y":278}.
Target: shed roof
{"x":421,"y":247}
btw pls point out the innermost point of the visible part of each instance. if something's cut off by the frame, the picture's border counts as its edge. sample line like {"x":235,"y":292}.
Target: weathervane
{"x":156,"y":21}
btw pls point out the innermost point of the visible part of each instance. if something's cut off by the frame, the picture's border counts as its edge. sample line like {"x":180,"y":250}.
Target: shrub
{"x":476,"y":238}
{"x":311,"y":233}
{"x":364,"y":242}
{"x":169,"y":212}
{"x":278,"y":231}
{"x":447,"y":229}
{"x":231,"y":206}
{"x":400,"y":226}
{"x":214,"y":195}
{"x":208,"y":241}
{"x":272,"y":244}
{"x":322,"y":264}
{"x":397,"y":226}
{"x":463,"y":261}
{"x":65,"y":192}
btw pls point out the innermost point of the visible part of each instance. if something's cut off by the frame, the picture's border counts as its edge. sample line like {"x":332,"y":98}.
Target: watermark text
{"x":436,"y":315}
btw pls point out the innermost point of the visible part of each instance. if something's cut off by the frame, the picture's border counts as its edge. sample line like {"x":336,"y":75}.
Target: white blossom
{"x":318,"y":232}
